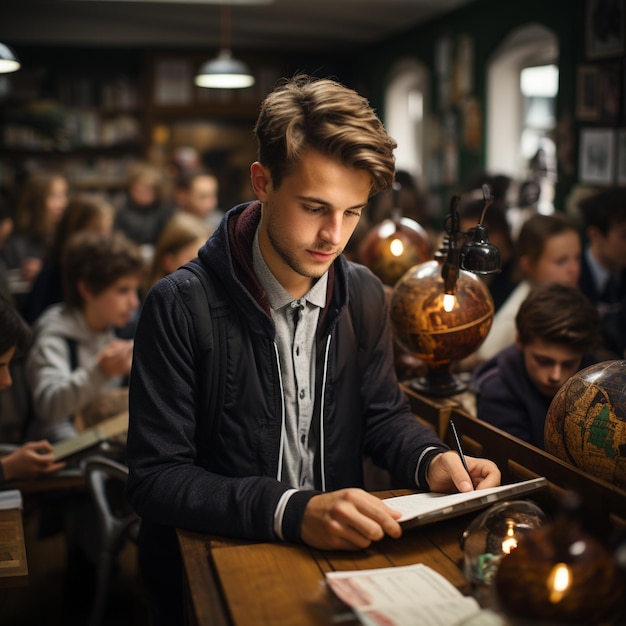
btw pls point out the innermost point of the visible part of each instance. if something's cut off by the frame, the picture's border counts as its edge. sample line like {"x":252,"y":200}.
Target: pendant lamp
{"x":224,"y":72}
{"x":8,"y":60}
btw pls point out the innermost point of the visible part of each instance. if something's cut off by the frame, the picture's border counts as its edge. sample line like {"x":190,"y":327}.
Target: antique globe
{"x":394,"y":246}
{"x":586,"y":421}
{"x":438,"y":328}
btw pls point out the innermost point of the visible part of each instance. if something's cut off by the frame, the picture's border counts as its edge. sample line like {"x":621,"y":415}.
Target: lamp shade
{"x":8,"y":60}
{"x":224,"y":72}
{"x":479,"y":256}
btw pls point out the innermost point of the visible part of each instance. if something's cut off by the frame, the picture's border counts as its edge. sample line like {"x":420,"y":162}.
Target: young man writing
{"x":557,"y":329}
{"x":309,"y":377}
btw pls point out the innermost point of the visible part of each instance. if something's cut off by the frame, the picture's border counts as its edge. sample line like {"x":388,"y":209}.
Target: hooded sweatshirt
{"x":60,"y":388}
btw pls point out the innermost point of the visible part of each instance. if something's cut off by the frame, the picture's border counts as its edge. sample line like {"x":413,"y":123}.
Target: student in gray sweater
{"x":76,"y":354}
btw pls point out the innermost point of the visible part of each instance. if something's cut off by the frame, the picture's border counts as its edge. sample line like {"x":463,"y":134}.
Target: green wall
{"x":487,"y":23}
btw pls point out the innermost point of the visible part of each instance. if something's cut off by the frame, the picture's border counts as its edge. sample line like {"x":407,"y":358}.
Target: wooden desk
{"x":13,"y":564}
{"x":238,"y":583}
{"x":604,"y":504}
{"x":62,"y":480}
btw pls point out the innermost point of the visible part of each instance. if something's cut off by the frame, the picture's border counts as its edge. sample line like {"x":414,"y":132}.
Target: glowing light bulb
{"x":448,"y":302}
{"x":559,"y":582}
{"x":396,"y":247}
{"x":510,"y":543}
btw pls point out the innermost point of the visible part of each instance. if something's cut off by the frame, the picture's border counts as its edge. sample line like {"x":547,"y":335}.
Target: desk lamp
{"x":440,"y":310}
{"x":476,"y":255}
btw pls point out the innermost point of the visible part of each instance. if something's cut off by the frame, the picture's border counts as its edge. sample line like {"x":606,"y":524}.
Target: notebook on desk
{"x":91,"y":437}
{"x":424,"y":508}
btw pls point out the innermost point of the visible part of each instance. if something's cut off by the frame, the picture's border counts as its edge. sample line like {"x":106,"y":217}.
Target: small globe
{"x":423,"y":327}
{"x":392,"y":247}
{"x":586,"y":422}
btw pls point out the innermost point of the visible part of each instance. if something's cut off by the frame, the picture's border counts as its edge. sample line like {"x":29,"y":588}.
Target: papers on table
{"x":10,"y":499}
{"x":402,"y":596}
{"x":424,"y":508}
{"x":91,"y":437}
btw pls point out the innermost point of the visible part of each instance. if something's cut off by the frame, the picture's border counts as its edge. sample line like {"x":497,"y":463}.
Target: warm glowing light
{"x":559,"y":582}
{"x":448,"y":302}
{"x":396,"y":247}
{"x":510,"y":543}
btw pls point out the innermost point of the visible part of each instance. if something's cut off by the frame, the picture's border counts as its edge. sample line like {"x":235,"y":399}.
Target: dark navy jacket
{"x":228,"y":486}
{"x":612,"y":308}
{"x":507,"y":398}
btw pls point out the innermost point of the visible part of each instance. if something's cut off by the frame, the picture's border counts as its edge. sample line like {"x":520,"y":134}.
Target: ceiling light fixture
{"x":8,"y":60}
{"x":225,"y":72}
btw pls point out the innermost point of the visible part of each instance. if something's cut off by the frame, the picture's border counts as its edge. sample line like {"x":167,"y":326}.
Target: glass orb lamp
{"x":560,"y":574}
{"x":392,"y":247}
{"x":494,"y":534}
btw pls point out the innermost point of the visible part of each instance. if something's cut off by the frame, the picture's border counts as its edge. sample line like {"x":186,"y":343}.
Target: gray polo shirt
{"x":296,"y":324}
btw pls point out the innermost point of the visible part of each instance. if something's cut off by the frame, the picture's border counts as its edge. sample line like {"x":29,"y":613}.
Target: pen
{"x":458,"y":446}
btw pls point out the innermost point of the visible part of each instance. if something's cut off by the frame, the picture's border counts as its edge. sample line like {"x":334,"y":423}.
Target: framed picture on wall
{"x":621,"y":157}
{"x":588,"y":92}
{"x":596,"y":151}
{"x":604,"y":24}
{"x":610,"y":91}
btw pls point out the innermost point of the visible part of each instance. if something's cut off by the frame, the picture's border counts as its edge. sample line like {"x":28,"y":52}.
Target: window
{"x":522,"y":86}
{"x":405,"y":108}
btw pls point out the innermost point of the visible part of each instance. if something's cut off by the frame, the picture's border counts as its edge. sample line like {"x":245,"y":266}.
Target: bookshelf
{"x":92,"y":115}
{"x":86,"y":123}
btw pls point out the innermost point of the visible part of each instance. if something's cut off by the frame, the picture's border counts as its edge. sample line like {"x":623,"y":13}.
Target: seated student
{"x":179,"y":243}
{"x":33,"y":458}
{"x":305,"y":366}
{"x":82,"y":213}
{"x":40,"y":206}
{"x":557,"y":330}
{"x":143,"y":214}
{"x":75,"y":353}
{"x":603,"y":269}
{"x":197,"y":193}
{"x":548,"y":250}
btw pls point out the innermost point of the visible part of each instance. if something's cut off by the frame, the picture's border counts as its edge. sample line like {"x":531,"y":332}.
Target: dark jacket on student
{"x":143,"y":225}
{"x":611,"y":304}
{"x":227,"y":485}
{"x":507,"y":398}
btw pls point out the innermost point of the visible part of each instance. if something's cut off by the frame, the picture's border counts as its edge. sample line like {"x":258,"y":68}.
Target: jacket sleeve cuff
{"x":293,"y":513}
{"x":423,"y":461}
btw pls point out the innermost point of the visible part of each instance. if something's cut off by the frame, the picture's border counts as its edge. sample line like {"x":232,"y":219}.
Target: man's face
{"x":549,"y":365}
{"x":308,"y":220}
{"x":610,"y":249}
{"x":202,"y":196}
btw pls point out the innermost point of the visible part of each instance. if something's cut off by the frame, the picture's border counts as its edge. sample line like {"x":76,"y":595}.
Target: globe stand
{"x":438,"y":381}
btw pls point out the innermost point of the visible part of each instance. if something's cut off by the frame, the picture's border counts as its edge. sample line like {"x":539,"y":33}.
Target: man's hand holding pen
{"x":446,"y":473}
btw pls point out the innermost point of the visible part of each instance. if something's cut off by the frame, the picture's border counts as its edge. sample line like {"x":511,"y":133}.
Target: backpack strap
{"x":210,"y":311}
